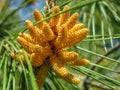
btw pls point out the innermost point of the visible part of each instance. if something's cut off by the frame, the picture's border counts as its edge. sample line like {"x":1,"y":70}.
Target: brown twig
{"x":49,"y":5}
{"x":111,"y":50}
{"x":86,"y":81}
{"x":94,"y":84}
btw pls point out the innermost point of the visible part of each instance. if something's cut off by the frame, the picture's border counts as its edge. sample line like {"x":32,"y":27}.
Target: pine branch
{"x":86,"y":81}
{"x":94,"y":84}
{"x":111,"y":50}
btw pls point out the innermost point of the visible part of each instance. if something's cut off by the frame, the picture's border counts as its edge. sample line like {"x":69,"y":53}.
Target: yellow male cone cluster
{"x":47,"y":43}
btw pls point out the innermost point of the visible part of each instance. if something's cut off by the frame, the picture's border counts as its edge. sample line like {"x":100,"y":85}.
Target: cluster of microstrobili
{"x":48,"y":42}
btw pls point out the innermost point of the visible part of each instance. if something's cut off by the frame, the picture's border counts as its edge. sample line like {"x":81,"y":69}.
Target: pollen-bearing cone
{"x":41,"y":75}
{"x":47,"y":44}
{"x":62,"y":71}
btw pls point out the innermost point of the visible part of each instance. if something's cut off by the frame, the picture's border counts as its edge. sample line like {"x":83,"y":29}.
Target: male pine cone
{"x":48,"y":42}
